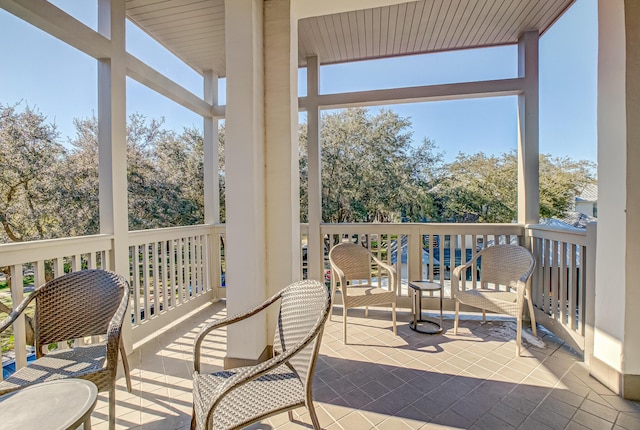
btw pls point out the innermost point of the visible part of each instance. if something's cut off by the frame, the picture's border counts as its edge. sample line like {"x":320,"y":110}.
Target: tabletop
{"x":425,"y":285}
{"x":62,"y":404}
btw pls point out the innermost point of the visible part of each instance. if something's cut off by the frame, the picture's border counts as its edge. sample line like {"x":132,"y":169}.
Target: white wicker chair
{"x":351,"y":262}
{"x":504,"y":272}
{"x":235,"y":398}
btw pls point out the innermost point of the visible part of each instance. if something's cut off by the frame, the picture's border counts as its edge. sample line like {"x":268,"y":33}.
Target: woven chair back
{"x":505,"y":264}
{"x":304,"y":308}
{"x":77,"y":304}
{"x":354,"y":260}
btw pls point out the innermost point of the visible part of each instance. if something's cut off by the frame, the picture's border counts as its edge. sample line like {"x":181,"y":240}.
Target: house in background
{"x":587,"y":201}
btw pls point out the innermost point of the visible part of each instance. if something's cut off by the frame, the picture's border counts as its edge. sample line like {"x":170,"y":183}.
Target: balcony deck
{"x":409,"y":381}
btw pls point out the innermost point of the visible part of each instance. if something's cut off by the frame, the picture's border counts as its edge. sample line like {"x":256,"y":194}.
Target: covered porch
{"x":584,"y":287}
{"x":409,"y":381}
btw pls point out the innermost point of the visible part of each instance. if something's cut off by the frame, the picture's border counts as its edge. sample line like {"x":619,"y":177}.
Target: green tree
{"x":29,"y":158}
{"x":371,"y":172}
{"x":482,"y":188}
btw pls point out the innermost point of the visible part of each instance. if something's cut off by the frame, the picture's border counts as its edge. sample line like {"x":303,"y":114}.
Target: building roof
{"x":578,"y":219}
{"x":588,"y":194}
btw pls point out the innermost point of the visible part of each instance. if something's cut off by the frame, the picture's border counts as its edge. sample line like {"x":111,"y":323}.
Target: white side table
{"x":424,"y":325}
{"x":57,"y":405}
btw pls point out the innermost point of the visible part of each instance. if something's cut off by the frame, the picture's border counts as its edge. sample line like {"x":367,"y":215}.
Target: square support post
{"x":245,"y":177}
{"x":528,"y":130}
{"x":112,"y":141}
{"x":315,"y":246}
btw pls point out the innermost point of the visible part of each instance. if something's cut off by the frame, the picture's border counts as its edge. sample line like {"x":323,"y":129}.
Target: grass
{"x":27,"y":280}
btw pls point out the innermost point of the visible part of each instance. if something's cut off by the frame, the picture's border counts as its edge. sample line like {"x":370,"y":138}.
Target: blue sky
{"x":61,"y":82}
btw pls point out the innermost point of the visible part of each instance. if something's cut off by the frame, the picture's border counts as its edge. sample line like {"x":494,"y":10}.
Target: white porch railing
{"x":562,"y":283}
{"x":175,"y":270}
{"x":45,"y":259}
{"x":423,"y":251}
{"x":172,"y":271}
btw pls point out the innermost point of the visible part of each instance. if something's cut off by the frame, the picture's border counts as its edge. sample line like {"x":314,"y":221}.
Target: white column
{"x":528,"y":130}
{"x":315,"y":250}
{"x":282,"y":185}
{"x":616,"y":350}
{"x":245,"y":176}
{"x":211,"y":156}
{"x":112,"y":136}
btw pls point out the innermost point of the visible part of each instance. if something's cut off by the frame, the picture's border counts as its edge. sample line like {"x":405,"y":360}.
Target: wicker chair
{"x":509,"y":266}
{"x":351,"y":262}
{"x":235,"y":398}
{"x":76,"y":305}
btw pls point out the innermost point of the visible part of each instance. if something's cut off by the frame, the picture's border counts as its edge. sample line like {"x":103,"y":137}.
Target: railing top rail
{"x":26,"y":252}
{"x":140,"y":237}
{"x":425,"y":228}
{"x":578,"y":237}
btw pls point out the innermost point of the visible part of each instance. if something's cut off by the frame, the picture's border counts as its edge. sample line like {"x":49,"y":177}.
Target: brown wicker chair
{"x":504,"y":273}
{"x":351,"y":262}
{"x":235,"y":398}
{"x":76,"y":305}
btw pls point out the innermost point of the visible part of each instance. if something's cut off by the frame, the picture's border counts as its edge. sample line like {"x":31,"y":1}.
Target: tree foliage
{"x":29,"y":158}
{"x":371,"y":172}
{"x":482,"y":188}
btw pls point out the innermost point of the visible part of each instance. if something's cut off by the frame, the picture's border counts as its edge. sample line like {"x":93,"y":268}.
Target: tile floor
{"x":382,"y":381}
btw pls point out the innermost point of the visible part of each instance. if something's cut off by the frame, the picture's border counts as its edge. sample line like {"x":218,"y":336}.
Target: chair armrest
{"x":114,"y":331}
{"x":247,"y":374}
{"x":391,"y":270}
{"x":15,"y":313}
{"x":457,"y":272}
{"x":225,"y":322}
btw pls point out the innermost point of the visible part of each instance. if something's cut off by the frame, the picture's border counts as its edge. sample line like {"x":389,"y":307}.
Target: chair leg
{"x":125,"y":365}
{"x":333,"y":296}
{"x":112,"y":407}
{"x":393,"y":317}
{"x":314,"y":417}
{"x":193,"y":418}
{"x":533,"y":318}
{"x":290,"y":413}
{"x":344,"y":324}
{"x":455,"y":321}
{"x":519,"y":335}
{"x":484,"y":316}
{"x":366,"y":311}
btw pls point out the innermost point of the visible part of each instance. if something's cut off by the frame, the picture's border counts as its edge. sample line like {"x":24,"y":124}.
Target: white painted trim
{"x":155,"y":80}
{"x":59,"y":24}
{"x":314,"y":162}
{"x":211,"y":156}
{"x":463,"y":90}
{"x":528,"y":130}
{"x":309,"y":8}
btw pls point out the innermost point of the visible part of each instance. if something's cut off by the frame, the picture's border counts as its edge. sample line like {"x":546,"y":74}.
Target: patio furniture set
{"x":64,"y":383}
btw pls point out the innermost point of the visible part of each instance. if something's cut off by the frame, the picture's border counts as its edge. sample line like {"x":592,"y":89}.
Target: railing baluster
{"x":146,"y":281}
{"x":156,"y":279}
{"x":166,"y":273}
{"x":564,"y":291}
{"x":573,"y":287}
{"x":582,"y":300}
{"x":136,"y":284}
{"x":553,"y":263}
{"x":19,"y":328}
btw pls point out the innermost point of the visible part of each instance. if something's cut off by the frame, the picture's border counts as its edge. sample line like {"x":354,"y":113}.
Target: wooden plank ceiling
{"x":194,"y":29}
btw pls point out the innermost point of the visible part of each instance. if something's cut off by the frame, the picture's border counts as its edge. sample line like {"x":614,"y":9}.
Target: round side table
{"x":55,"y":405}
{"x":419,"y":324}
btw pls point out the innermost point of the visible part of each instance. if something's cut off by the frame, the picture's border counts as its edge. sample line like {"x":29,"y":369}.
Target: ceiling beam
{"x":428,"y":93}
{"x":308,"y":8}
{"x":155,"y":80}
{"x":59,"y":24}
